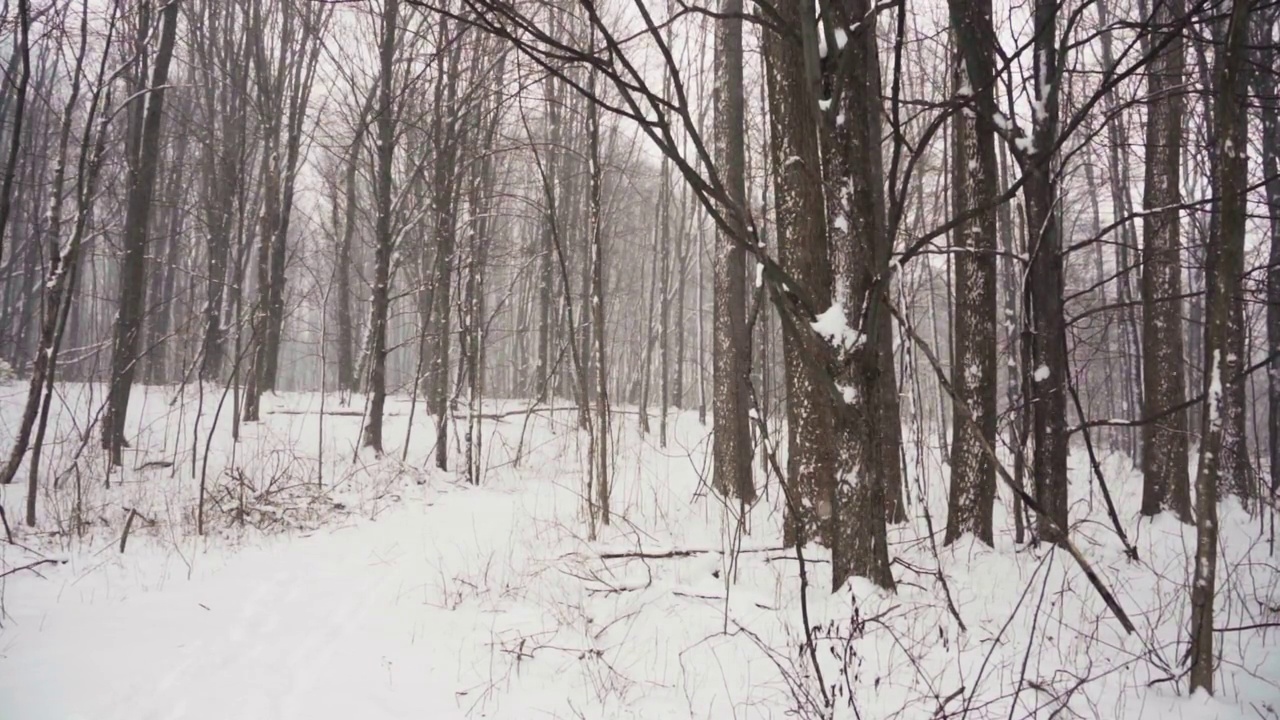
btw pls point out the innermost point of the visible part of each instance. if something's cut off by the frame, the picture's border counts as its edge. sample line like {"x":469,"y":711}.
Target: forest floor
{"x":330,"y":584}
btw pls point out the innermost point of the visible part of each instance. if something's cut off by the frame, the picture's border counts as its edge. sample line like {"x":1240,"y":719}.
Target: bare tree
{"x":731,"y":359}
{"x":145,"y":132}
{"x":1048,"y":366}
{"x":22,"y":50}
{"x":1224,"y":271}
{"x":385,"y":123}
{"x":973,"y":164}
{"x":1166,"y":484}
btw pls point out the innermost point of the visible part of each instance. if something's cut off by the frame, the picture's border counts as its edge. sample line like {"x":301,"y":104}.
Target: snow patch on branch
{"x":833,"y":328}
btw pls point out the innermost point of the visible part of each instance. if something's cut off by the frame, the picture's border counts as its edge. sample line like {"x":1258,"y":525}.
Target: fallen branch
{"x":155,"y":464}
{"x":32,"y":566}
{"x":681,"y":553}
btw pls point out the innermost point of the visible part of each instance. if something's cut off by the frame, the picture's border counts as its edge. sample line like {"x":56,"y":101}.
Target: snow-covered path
{"x":380,"y":619}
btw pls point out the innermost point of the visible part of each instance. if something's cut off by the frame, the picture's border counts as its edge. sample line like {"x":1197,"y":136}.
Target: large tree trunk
{"x":974,"y":333}
{"x":1166,"y":484}
{"x":853,"y":184}
{"x":128,"y":325}
{"x":1224,"y":269}
{"x":731,"y":358}
{"x":802,"y":252}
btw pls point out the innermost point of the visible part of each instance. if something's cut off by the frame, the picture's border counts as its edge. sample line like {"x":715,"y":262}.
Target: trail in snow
{"x":368,"y":621}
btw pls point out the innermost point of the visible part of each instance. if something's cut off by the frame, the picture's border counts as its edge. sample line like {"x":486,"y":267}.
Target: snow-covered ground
{"x":330,"y":584}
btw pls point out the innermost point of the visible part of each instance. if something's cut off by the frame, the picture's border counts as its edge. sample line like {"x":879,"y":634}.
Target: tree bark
{"x":802,"y":252}
{"x":1048,"y":365}
{"x":853,"y":180}
{"x":974,"y":176}
{"x":731,"y":438}
{"x":1166,"y":483}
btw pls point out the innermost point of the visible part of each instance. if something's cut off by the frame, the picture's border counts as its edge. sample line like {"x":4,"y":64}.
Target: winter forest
{"x":596,"y":359}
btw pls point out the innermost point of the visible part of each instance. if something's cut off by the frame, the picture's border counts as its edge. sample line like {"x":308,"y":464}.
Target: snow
{"x":1041,"y":373}
{"x":842,"y":39}
{"x":395,"y":591}
{"x":1213,"y":398}
{"x":832,"y":327}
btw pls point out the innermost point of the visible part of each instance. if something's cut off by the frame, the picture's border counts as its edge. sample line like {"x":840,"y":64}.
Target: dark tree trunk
{"x":142,"y":177}
{"x":1048,"y":367}
{"x":802,"y":251}
{"x":385,"y":123}
{"x":1223,"y":273}
{"x":854,"y":189}
{"x":731,"y":359}
{"x":974,"y":176}
{"x":1166,"y":483}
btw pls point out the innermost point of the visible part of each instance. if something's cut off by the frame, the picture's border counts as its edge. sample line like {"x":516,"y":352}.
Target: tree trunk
{"x":853,"y":183}
{"x":802,"y":251}
{"x":1266,"y":87}
{"x":1166,"y":484}
{"x":128,"y":325}
{"x":1225,"y":267}
{"x":1048,"y":365}
{"x":731,"y":358}
{"x":23,"y":51}
{"x":379,"y":301}
{"x":973,"y":482}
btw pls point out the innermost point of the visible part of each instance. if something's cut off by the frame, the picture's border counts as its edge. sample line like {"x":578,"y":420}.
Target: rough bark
{"x":853,"y":189}
{"x":802,"y":252}
{"x":974,"y":178}
{"x":1048,"y":367}
{"x":1166,"y":483}
{"x":731,"y":361}
{"x":142,"y":178}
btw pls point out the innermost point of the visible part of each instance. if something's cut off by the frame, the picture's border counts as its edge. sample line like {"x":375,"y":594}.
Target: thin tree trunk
{"x":379,"y":302}
{"x":23,"y":50}
{"x":1225,"y":267}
